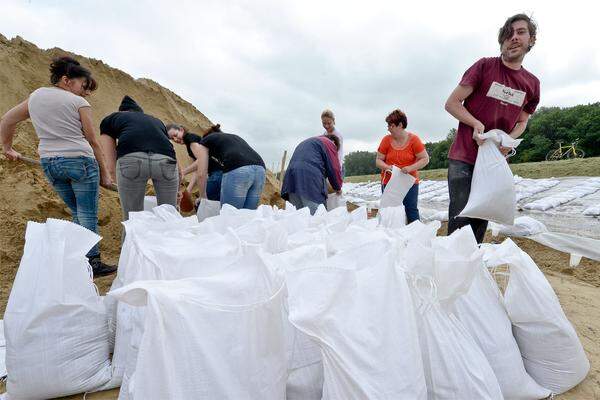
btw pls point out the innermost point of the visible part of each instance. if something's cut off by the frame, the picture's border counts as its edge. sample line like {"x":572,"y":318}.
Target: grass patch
{"x":543,"y":169}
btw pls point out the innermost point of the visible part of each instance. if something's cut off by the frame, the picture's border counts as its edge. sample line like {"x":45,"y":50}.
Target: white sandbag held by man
{"x":492,"y":196}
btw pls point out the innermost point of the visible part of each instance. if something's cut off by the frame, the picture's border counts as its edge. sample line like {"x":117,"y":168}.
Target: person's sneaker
{"x":101,"y":269}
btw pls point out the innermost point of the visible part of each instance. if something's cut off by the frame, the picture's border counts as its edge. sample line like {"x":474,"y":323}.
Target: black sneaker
{"x":101,"y":269}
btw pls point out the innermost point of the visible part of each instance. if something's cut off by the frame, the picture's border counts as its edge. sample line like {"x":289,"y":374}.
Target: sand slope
{"x":24,"y":193}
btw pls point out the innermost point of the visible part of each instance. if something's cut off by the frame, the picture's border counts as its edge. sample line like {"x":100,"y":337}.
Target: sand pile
{"x":24,"y":192}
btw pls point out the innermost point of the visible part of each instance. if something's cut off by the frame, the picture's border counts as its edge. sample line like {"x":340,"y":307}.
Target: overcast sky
{"x":266,"y":69}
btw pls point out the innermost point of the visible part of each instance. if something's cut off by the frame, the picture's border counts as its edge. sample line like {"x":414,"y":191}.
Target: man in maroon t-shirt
{"x":494,"y":93}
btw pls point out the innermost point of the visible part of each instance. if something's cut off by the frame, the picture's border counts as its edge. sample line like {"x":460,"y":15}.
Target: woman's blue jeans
{"x":76,"y":180}
{"x":410,"y":203}
{"x":243,"y":186}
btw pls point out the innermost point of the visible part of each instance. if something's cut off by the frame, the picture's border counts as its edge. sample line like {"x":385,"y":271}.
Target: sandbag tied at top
{"x":482,"y":313}
{"x":455,"y":367}
{"x":55,"y":322}
{"x":551,"y":351}
{"x":213,"y":337}
{"x":350,"y":307}
{"x":492,"y":196}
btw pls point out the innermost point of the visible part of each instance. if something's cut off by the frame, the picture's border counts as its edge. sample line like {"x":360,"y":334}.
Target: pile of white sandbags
{"x":275,"y":304}
{"x":587,"y":187}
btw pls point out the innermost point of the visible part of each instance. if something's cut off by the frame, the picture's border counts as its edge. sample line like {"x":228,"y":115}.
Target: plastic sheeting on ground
{"x":589,"y":186}
{"x":530,"y":228}
{"x":55,"y":322}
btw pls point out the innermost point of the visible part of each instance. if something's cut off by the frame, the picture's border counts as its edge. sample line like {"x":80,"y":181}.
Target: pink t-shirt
{"x":499,"y":96}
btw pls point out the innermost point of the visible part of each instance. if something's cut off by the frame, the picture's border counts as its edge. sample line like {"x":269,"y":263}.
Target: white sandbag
{"x":396,"y":188}
{"x":304,"y":361}
{"x":350,"y":307}
{"x":523,"y":226}
{"x":483,"y":315}
{"x":2,"y":351}
{"x":208,"y":208}
{"x":225,"y":335}
{"x":335,"y":200}
{"x":492,"y":196}
{"x":551,"y":351}
{"x":392,"y":217}
{"x":55,"y":322}
{"x":455,"y":367}
{"x":150,"y":202}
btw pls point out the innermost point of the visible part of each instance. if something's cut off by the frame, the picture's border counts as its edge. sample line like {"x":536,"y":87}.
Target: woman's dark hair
{"x":69,"y":67}
{"x":91,"y":84}
{"x":334,"y":139}
{"x":507,"y":30}
{"x":397,"y":117}
{"x":176,"y":126}
{"x":214,"y":128}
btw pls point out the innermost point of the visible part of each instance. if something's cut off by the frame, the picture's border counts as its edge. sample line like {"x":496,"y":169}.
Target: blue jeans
{"x":243,"y":186}
{"x":76,"y":180}
{"x":410,"y":203}
{"x":213,"y":186}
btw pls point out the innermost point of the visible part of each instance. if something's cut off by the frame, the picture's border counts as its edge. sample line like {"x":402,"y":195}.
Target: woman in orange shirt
{"x":406,"y":151}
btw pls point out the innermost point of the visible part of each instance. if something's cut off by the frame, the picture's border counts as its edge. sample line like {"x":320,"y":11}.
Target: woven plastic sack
{"x":455,"y":367}
{"x":396,"y":188}
{"x":492,"y":195}
{"x":482,"y":313}
{"x":55,"y":322}
{"x":207,"y":208}
{"x":225,"y":335}
{"x":551,"y":351}
{"x":349,"y":306}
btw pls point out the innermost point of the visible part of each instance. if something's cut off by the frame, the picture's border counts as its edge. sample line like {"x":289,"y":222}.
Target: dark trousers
{"x":410,"y":203}
{"x":459,"y":187}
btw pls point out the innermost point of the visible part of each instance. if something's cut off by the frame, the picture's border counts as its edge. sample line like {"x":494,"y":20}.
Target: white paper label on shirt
{"x":506,"y":94}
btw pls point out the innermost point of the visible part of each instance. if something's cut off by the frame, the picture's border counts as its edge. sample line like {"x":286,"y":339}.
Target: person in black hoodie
{"x":137,"y":148}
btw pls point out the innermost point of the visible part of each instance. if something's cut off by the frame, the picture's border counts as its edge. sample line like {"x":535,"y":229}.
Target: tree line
{"x":546,"y":128}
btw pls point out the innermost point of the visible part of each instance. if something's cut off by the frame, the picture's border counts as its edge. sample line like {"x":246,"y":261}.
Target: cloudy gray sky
{"x":266,"y":69}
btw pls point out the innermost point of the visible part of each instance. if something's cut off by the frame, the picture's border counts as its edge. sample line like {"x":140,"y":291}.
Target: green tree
{"x":360,"y":163}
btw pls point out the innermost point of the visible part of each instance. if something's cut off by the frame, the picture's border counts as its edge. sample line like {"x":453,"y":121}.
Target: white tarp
{"x":530,"y":228}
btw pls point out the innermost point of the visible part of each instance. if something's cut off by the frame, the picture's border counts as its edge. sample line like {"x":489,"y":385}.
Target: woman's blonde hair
{"x":327,"y":114}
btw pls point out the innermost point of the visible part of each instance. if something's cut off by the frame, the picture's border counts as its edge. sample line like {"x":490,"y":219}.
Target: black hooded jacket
{"x":135,"y":131}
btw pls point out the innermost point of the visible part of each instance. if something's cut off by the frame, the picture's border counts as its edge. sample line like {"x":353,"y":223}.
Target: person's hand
{"x":12,"y":154}
{"x":106,"y":182}
{"x":505,"y":150}
{"x":478,"y":129}
{"x":405,"y":170}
